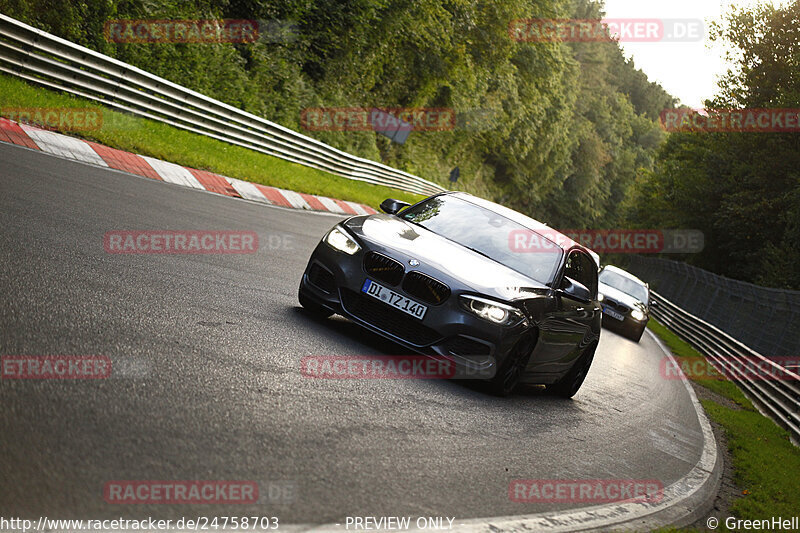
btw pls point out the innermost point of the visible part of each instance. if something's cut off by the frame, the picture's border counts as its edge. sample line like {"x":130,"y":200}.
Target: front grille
{"x":383,"y":268}
{"x":322,"y":279}
{"x":426,"y":288}
{"x":461,"y":345}
{"x":617,"y":306}
{"x":387,"y":319}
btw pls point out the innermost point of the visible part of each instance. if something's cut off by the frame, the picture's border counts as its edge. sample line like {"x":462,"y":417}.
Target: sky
{"x":687,"y":70}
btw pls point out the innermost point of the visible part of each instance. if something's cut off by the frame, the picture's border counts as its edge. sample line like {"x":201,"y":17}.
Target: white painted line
{"x":247,"y":190}
{"x":64,"y":146}
{"x":330,"y":205}
{"x":172,"y":173}
{"x":357,"y":208}
{"x":55,"y":145}
{"x":295,"y":199}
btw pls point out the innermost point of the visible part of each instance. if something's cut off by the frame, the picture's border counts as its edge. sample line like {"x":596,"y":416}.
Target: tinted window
{"x":484,"y":231}
{"x":623,"y":284}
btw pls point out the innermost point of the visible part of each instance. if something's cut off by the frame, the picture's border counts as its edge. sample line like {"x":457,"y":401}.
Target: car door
{"x":563,"y":331}
{"x":591,"y":314}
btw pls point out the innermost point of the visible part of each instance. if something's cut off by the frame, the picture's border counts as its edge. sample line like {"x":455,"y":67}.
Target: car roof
{"x":623,"y":273}
{"x":525,"y":221}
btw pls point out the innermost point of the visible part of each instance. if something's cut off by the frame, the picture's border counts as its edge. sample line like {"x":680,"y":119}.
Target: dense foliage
{"x":559,"y":130}
{"x":741,"y":189}
{"x":566,"y":132}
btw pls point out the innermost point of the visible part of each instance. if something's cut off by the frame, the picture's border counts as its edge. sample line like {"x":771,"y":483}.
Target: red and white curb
{"x":97,"y":154}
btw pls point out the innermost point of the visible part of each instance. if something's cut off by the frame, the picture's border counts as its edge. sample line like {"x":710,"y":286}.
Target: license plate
{"x":613,"y":313}
{"x":398,"y":301}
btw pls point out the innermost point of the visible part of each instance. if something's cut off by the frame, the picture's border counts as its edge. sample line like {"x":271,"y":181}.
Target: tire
{"x":510,"y":374}
{"x":571,"y":383}
{"x":313,"y":307}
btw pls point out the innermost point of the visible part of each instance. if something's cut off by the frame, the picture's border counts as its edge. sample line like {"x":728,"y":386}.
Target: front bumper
{"x":628,"y":323}
{"x":334,"y":279}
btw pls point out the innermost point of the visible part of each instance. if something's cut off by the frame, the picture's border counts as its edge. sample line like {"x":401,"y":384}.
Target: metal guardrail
{"x":47,"y":60}
{"x":778,"y":395}
{"x":763,"y":318}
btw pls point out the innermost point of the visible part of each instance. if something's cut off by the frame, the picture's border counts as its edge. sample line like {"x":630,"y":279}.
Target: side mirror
{"x":577,"y":291}
{"x":392,"y":206}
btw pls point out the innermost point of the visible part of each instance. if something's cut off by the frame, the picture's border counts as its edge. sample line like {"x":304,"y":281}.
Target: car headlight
{"x":600,"y":297}
{"x":339,"y":240}
{"x":492,"y":311}
{"x":637,"y":314}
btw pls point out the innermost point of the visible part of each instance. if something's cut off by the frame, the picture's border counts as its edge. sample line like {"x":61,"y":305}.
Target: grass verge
{"x":152,"y":138}
{"x":766,"y":464}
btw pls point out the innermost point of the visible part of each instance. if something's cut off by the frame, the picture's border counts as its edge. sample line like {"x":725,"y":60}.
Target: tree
{"x":740,"y":189}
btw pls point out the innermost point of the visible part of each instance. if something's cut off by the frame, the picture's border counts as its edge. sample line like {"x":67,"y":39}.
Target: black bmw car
{"x":626,"y":302}
{"x":443,"y":278}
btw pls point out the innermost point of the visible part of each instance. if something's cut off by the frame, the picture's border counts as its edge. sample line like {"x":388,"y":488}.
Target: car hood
{"x":619,"y":296}
{"x":477,"y":272}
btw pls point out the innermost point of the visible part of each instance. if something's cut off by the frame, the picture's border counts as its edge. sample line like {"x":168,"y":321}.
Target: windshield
{"x":486,"y":232}
{"x":623,"y":284}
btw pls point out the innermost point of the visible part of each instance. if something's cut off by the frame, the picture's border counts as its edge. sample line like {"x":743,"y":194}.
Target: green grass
{"x":688,"y":357}
{"x":766,"y":464}
{"x":152,"y":138}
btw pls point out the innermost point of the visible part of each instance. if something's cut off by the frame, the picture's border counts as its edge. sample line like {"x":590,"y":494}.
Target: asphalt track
{"x":206,"y":379}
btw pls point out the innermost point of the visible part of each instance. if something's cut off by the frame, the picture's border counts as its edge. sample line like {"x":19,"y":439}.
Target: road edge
{"x":76,"y":149}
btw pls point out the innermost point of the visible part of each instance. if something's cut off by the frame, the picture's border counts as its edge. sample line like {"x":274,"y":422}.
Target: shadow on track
{"x":342,"y":326}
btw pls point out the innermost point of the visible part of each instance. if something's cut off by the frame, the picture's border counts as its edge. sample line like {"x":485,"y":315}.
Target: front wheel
{"x":510,"y":374}
{"x":569,"y":385}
